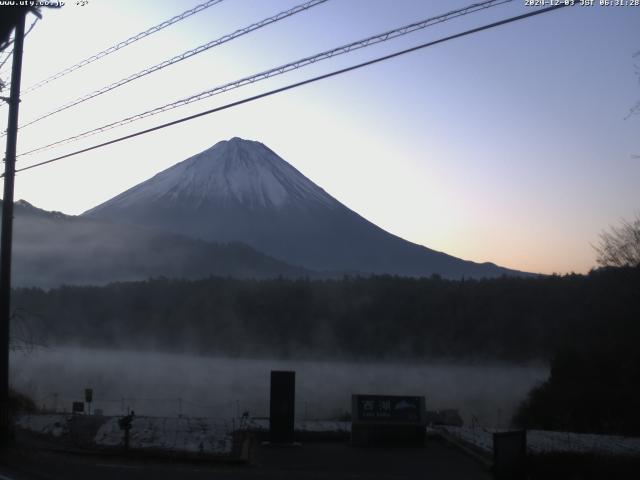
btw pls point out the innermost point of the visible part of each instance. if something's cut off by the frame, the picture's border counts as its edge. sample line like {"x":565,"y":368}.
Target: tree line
{"x":504,"y":319}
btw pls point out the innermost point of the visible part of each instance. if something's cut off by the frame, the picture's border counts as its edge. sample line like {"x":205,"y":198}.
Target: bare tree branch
{"x":620,"y":246}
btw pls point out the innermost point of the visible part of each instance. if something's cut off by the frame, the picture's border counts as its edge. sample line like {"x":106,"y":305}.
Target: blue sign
{"x":388,"y":408}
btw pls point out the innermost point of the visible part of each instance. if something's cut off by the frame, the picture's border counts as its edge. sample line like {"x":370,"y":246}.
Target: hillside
{"x":52,"y":249}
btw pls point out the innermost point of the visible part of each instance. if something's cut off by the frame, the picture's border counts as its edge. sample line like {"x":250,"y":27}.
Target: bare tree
{"x":620,"y":246}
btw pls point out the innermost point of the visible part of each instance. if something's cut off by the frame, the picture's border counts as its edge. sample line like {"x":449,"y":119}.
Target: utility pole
{"x":7,"y":227}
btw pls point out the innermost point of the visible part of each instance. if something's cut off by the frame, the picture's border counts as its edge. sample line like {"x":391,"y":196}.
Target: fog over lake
{"x":172,"y":384}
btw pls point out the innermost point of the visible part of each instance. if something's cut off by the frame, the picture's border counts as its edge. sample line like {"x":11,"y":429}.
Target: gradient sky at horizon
{"x":509,"y":146}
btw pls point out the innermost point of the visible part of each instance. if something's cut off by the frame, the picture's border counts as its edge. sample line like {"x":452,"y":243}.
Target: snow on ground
{"x":55,"y":424}
{"x":208,"y":436}
{"x":194,"y":435}
{"x":541,"y":441}
{"x":214,"y":436}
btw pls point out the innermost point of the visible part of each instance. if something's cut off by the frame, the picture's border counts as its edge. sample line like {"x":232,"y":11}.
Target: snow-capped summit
{"x":241,"y":191}
{"x":237,"y":171}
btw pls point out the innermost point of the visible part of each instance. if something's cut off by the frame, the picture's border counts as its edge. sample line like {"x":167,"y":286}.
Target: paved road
{"x":319,"y":461}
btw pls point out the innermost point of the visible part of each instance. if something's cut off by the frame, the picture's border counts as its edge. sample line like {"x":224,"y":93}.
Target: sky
{"x":512,"y":145}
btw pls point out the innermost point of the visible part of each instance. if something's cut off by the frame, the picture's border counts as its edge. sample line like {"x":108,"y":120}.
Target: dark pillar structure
{"x":7,"y":226}
{"x":282,"y":407}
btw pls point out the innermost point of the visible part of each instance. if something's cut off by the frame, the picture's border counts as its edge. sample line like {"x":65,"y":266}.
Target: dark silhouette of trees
{"x":595,"y":371}
{"x":509,"y":319}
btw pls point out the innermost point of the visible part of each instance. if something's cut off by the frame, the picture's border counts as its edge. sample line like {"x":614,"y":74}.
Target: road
{"x":319,"y":461}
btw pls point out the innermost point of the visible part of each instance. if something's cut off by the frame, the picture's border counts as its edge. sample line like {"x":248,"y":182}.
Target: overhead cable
{"x":178,"y":58}
{"x":10,"y":54}
{"x":124,"y":43}
{"x":299,"y":84}
{"x":382,"y":37}
{"x":4,"y":60}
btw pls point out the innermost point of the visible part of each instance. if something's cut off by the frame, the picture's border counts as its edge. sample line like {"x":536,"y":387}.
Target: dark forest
{"x":506,"y":319}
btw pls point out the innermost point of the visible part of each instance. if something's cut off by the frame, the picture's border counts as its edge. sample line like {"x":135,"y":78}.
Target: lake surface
{"x":173,"y":384}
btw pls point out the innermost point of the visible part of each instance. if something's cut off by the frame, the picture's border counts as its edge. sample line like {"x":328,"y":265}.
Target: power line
{"x":4,"y":86}
{"x":33,"y":24}
{"x":6,"y":45}
{"x":301,"y":83}
{"x":178,"y":58}
{"x":124,"y":43}
{"x":10,"y":54}
{"x":372,"y":40}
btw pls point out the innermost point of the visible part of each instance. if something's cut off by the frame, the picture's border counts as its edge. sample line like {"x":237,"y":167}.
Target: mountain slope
{"x":52,"y":249}
{"x":240,"y":190}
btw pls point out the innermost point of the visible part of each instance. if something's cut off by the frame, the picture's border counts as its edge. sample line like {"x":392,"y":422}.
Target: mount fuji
{"x":241,"y":191}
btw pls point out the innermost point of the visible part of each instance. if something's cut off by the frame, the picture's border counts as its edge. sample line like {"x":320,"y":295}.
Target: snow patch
{"x":208,"y":436}
{"x":542,"y":441}
{"x":194,"y":435}
{"x":54,"y":425}
{"x":234,"y":171}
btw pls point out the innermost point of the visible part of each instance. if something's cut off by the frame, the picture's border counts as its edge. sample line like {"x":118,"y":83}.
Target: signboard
{"x":88,"y":395}
{"x":282,"y":403}
{"x":388,"y":408}
{"x":388,"y":419}
{"x":78,"y":407}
